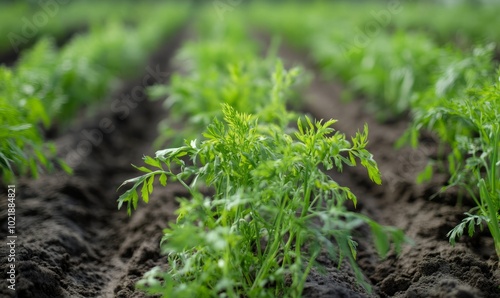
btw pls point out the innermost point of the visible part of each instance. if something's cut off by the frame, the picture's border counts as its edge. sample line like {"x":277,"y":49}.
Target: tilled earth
{"x":73,"y":242}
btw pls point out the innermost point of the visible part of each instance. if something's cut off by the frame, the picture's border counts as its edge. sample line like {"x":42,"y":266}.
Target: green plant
{"x":463,"y":110}
{"x":271,"y":212}
{"x":461,"y":107}
{"x":48,"y":85}
{"x":222,"y":66}
{"x":447,"y":91}
{"x":22,"y":147}
{"x":475,"y":162}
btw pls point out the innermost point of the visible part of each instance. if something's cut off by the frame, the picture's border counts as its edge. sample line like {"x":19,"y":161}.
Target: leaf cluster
{"x":273,"y":211}
{"x":450,"y":92}
{"x":462,"y":108}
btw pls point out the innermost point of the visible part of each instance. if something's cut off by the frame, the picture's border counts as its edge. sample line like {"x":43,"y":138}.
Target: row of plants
{"x":463,"y":24}
{"x":24,"y":23}
{"x":460,"y":23}
{"x":452,"y":93}
{"x":261,"y":207}
{"x":390,"y":68}
{"x":49,"y":84}
{"x":210,"y":73}
{"x":462,"y":107}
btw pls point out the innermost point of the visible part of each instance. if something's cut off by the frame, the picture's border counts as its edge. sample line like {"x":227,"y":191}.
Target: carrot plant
{"x":22,"y":147}
{"x":462,"y":108}
{"x":20,"y":28}
{"x":272,"y":212}
{"x":475,"y":162}
{"x":223,"y":65}
{"x":271,"y":209}
{"x":448,"y":91}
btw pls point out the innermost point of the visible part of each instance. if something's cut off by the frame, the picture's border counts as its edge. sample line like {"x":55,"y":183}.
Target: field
{"x":250,"y":149}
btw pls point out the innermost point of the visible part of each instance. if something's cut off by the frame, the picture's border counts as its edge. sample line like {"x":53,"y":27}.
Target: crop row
{"x":391,"y":68}
{"x":211,"y":73}
{"x":261,"y":209}
{"x":451,"y":92}
{"x":464,"y":25}
{"x":24,"y":23}
{"x":49,"y":85}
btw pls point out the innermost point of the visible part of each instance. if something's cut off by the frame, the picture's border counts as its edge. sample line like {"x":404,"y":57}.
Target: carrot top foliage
{"x":272,"y":212}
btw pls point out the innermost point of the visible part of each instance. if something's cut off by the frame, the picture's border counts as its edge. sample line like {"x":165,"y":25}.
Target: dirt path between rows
{"x":430,"y":268}
{"x":72,"y":241}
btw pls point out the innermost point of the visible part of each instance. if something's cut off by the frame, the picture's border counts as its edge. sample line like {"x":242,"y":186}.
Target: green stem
{"x":492,"y":214}
{"x":257,"y":238}
{"x":310,"y":264}
{"x":274,"y":247}
{"x":489,"y":194}
{"x":307,"y":195}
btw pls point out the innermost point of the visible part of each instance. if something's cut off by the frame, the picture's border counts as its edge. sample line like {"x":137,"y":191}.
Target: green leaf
{"x":426,"y":174}
{"x":353,"y":246}
{"x":152,"y":162}
{"x":145,"y":193}
{"x":151,"y":180}
{"x":309,"y":123}
{"x":130,"y":197}
{"x":66,"y":168}
{"x":142,"y":169}
{"x":171,"y":152}
{"x":133,"y":180}
{"x":299,"y":126}
{"x":380,"y":239}
{"x":163,"y":179}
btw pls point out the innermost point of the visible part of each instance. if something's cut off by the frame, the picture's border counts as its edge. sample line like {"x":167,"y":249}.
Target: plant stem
{"x":274,"y":247}
{"x":490,"y":194}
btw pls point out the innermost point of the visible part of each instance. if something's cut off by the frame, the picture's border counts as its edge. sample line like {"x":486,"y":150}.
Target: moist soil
{"x":73,"y":242}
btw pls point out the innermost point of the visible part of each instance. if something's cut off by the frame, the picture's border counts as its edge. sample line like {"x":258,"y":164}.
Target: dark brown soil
{"x":73,"y":242}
